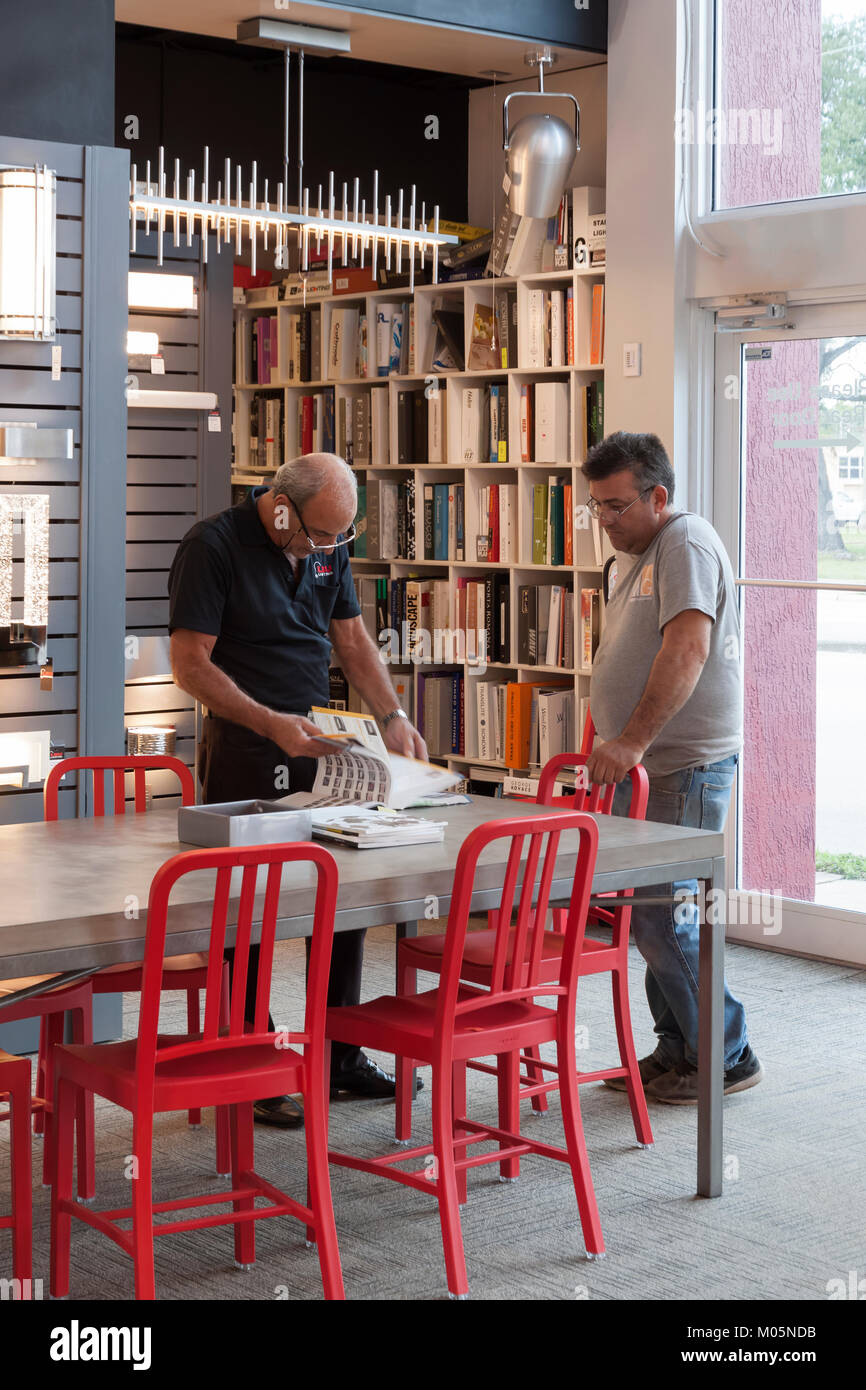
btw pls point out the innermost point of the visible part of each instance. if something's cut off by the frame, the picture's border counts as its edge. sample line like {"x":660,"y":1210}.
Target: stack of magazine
{"x":360,"y":788}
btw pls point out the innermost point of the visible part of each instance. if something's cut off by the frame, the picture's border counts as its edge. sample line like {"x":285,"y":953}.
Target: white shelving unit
{"x":585,"y":571}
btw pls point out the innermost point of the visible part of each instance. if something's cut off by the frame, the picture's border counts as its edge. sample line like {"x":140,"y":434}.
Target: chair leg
{"x":64,"y":1103}
{"x":407,"y":983}
{"x":508,"y":1081}
{"x":223,"y":1134}
{"x":142,"y":1207}
{"x":82,"y":1032}
{"x":53,"y":1036}
{"x":536,"y":1074}
{"x":193,"y":1024}
{"x":446,"y":1183}
{"x":319,"y":1184}
{"x":458,"y":1104}
{"x":41,"y":1079}
{"x":628,"y":1056}
{"x":243,"y":1159}
{"x":576,"y":1145}
{"x":20,"y":1119}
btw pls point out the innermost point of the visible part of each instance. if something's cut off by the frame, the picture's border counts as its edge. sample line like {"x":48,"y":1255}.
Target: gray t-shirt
{"x":685,"y":567}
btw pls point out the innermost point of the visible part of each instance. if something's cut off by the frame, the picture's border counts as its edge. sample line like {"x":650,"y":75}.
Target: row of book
{"x":498,"y":715}
{"x":553,"y":524}
{"x":266,"y":430}
{"x":431,"y":620}
{"x":441,"y":714}
{"x":575,"y":238}
{"x":545,"y":625}
{"x":264,"y":354}
{"x":385,"y":524}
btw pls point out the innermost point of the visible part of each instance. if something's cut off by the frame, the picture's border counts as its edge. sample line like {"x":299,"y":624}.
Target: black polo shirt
{"x":228,"y":579}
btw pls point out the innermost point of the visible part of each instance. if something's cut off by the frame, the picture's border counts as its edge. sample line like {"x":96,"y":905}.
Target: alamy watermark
{"x":759,"y":127}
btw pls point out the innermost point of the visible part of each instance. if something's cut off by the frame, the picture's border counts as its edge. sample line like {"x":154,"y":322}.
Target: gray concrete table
{"x":75,"y":896}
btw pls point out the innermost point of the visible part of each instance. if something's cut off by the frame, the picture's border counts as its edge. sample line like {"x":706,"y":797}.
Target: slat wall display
{"x":510,"y":431}
{"x":29,"y":394}
{"x":83,"y":708}
{"x":177,"y":472}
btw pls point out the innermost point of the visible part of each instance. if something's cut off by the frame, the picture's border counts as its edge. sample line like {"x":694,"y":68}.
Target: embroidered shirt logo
{"x":320,"y":569}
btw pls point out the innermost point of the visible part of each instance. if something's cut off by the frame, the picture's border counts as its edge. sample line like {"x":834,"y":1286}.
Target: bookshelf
{"x":589,"y":547}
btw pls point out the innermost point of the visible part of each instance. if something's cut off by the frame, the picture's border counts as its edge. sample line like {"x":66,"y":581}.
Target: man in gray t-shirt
{"x":666,"y":692}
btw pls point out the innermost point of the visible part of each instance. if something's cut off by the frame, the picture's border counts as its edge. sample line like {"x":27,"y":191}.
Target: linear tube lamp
{"x":140,"y":344}
{"x":151,"y":290}
{"x":22,"y":640}
{"x":28,"y":207}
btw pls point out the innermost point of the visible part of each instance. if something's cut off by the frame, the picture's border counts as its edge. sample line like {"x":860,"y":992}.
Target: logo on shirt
{"x":645,"y":585}
{"x":322,"y":568}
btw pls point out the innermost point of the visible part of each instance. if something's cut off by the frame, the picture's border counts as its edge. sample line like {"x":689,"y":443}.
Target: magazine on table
{"x":362,"y":770}
{"x":373,"y":827}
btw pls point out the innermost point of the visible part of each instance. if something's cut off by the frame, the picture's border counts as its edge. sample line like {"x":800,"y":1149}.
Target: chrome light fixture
{"x":540,"y":150}
{"x":22,"y":640}
{"x":232,"y":219}
{"x":28,"y":208}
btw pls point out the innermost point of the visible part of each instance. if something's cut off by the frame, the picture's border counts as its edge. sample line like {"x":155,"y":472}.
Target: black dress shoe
{"x":364,"y":1078}
{"x":282,"y":1111}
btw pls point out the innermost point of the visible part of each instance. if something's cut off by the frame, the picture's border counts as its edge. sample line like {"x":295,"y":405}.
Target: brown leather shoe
{"x":282,"y":1111}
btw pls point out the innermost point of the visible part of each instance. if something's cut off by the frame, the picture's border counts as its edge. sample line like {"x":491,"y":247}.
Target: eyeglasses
{"x":317,"y":545}
{"x":596,"y":508}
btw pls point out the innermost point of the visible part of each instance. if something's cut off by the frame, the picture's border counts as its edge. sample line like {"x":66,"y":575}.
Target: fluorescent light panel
{"x":152,"y":290}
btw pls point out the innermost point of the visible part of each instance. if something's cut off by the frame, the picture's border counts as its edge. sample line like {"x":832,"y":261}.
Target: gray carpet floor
{"x":790,"y":1220}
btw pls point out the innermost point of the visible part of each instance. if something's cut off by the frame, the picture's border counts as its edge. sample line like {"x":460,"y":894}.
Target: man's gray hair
{"x":304,"y":477}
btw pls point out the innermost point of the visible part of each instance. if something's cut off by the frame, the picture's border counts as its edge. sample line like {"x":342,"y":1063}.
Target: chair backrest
{"x":588,"y":735}
{"x":589,"y":796}
{"x":534,"y":842}
{"x":136,"y":763}
{"x":248,"y":860}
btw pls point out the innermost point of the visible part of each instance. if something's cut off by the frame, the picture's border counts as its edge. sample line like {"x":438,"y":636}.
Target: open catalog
{"x":369,"y":785}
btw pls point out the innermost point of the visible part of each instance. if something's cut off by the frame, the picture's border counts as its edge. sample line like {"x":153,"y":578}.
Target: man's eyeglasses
{"x":596,"y":508}
{"x":319,"y":545}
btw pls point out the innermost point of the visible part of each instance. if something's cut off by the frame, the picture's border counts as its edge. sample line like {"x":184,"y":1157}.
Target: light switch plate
{"x":631,"y":359}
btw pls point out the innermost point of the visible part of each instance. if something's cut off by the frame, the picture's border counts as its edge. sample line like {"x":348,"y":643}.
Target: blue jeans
{"x":667,"y":936}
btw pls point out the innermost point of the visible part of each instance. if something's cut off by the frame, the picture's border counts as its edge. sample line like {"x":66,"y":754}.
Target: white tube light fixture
{"x":22,"y":640}
{"x":150,"y":290}
{"x":140,"y":344}
{"x":28,"y":207}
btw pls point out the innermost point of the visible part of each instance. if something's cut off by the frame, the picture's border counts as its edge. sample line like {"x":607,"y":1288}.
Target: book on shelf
{"x":482,"y":345}
{"x":535,"y":319}
{"x":379,"y":428}
{"x":437,"y":445}
{"x":464,"y":231}
{"x":527,"y":249}
{"x":473,"y":424}
{"x":596,"y":332}
{"x":527,"y":412}
{"x":545,"y":625}
{"x":540,"y":504}
{"x":343,"y":344}
{"x":586,"y":202}
{"x":395,"y":359}
{"x":597,"y":239}
{"x":503,"y":240}
{"x":551,"y":444}
{"x":590,"y":603}
{"x":467,"y":252}
{"x":518,"y":720}
{"x":441,"y":711}
{"x":450,"y":326}
{"x":353,"y":280}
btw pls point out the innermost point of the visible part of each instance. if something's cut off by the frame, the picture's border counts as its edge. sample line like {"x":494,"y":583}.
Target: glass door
{"x":790,"y":502}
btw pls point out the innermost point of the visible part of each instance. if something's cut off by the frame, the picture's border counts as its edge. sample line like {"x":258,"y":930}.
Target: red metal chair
{"x":449,"y":1025}
{"x":427,"y":953}
{"x":187,"y":972}
{"x":227,"y":1066}
{"x":15,"y":1083}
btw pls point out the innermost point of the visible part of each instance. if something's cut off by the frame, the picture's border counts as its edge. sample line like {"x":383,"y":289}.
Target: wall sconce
{"x":28,"y":205}
{"x":151,"y":740}
{"x":25,"y":443}
{"x":22,"y":640}
{"x":151,"y":290}
{"x":141,"y":344}
{"x":24,"y":759}
{"x":540,"y":149}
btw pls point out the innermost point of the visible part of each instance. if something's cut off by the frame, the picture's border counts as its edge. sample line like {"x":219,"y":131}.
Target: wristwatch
{"x":397,"y":713}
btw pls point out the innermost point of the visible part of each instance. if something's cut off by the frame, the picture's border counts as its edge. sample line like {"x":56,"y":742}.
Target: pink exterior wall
{"x":771,"y":60}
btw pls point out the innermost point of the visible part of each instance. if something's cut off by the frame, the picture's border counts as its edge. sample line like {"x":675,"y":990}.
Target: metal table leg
{"x":711,"y":1039}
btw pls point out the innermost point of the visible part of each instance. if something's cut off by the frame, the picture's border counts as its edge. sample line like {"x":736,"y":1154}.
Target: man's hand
{"x":612,"y":761}
{"x":402,"y":737}
{"x":298,"y":737}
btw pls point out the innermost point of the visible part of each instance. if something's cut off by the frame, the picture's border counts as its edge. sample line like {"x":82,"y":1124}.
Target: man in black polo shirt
{"x":259,"y":594}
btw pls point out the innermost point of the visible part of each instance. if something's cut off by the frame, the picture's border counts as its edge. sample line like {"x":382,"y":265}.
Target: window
{"x":851,"y":468}
{"x":789,"y":114}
